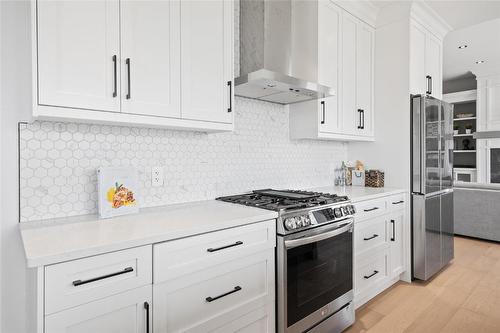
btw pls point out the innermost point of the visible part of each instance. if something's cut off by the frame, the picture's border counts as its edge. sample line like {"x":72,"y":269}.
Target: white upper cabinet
{"x":206,"y":53}
{"x":78,"y":54}
{"x":426,"y":60}
{"x":344,"y":54}
{"x":364,"y":79}
{"x":349,"y":110}
{"x":152,"y":63}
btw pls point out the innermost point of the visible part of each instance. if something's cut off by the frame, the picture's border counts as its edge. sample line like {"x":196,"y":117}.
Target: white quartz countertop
{"x":51,"y":241}
{"x":359,"y":193}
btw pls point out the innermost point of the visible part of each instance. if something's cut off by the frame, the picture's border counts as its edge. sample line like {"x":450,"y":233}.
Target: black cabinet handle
{"x":429,"y":84}
{"x":127,"y":62}
{"x":372,"y":274}
{"x":323,"y":111}
{"x":230,"y":108}
{"x":146,"y":307}
{"x":370,"y":209}
{"x":211,"y":299}
{"x":115,"y":82}
{"x":359,"y":112}
{"x":363,"y":117}
{"x":77,"y":283}
{"x":224,"y":247}
{"x":398,"y":202}
{"x":393,"y":238}
{"x":372,"y":237}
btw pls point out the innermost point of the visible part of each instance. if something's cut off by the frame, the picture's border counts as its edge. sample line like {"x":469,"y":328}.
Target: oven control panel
{"x":316,"y":217}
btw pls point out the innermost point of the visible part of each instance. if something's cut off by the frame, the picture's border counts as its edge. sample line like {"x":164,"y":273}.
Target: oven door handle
{"x":290,"y":244}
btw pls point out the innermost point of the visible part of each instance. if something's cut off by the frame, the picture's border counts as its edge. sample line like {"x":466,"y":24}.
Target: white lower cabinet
{"x":216,"y":282}
{"x":128,"y":312}
{"x":221,"y":281}
{"x":211,"y":299}
{"x":380,"y":231}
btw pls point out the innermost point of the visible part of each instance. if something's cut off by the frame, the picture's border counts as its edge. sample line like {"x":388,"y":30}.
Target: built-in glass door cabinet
{"x":343,"y":50}
{"x":426,"y":60}
{"x":134,"y":62}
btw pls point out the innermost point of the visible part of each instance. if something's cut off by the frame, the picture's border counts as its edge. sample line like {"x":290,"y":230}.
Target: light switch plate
{"x":157,"y":177}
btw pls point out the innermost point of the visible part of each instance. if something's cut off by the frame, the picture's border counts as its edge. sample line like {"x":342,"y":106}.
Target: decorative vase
{"x":455,"y":132}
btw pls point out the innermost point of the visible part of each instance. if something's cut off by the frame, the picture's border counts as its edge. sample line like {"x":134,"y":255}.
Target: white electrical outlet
{"x":157,"y":176}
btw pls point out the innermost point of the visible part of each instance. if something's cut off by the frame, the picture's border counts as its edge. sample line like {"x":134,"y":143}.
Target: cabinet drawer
{"x":369,"y":234}
{"x":371,"y":271}
{"x":184,"y":256}
{"x":370,"y":208}
{"x":81,"y":281}
{"x":127,"y":312}
{"x":209,"y":299}
{"x":396,"y":202}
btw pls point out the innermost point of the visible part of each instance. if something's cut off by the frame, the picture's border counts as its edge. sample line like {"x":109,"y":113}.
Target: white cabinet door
{"x":78,"y":54}
{"x":206,"y":53}
{"x":329,"y":38}
{"x":433,"y":61}
{"x":129,"y":312}
{"x":350,"y":114}
{"x":396,"y":233}
{"x":364,"y":79}
{"x":417,"y":59}
{"x":150,"y":62}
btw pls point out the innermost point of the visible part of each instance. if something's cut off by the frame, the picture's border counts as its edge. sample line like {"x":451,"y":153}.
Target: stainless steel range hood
{"x":265,"y":55}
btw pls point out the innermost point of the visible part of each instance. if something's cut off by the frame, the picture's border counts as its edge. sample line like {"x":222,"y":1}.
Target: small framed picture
{"x":117,"y":191}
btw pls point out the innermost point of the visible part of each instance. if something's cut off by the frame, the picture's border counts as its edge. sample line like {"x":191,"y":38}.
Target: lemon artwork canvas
{"x":117,"y":189}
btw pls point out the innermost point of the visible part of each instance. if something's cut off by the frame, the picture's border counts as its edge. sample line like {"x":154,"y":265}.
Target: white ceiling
{"x":460,"y":13}
{"x":483,"y":43}
{"x":473,"y":22}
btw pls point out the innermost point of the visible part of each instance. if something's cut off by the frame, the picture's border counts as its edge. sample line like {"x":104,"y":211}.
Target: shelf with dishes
{"x":464,"y":118}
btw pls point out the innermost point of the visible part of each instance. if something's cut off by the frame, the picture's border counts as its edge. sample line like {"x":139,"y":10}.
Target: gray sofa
{"x":477,"y":210}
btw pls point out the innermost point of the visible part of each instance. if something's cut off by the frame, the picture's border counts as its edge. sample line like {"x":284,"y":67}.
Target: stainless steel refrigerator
{"x":431,"y":185}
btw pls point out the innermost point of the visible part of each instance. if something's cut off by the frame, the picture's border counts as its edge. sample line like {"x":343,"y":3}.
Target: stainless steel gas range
{"x":314,"y":258}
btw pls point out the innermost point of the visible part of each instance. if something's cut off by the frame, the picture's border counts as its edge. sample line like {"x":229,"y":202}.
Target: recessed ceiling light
{"x":480,"y":62}
{"x":463,"y":46}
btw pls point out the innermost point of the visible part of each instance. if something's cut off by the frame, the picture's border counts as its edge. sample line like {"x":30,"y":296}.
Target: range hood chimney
{"x":266,"y":53}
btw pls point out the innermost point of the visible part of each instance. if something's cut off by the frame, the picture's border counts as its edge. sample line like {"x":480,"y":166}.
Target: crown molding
{"x":425,"y":15}
{"x":364,"y":10}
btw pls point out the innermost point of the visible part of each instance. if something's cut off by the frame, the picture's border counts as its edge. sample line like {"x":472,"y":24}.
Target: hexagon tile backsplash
{"x":59,"y":161}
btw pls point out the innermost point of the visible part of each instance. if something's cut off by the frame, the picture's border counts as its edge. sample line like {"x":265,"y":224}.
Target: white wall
{"x":15,"y":105}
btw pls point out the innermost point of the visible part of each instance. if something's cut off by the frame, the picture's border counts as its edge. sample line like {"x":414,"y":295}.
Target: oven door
{"x":315,"y":275}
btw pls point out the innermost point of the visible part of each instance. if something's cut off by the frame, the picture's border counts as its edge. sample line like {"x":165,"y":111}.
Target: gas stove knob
{"x":307,"y":221}
{"x":352,"y":209}
{"x":337,"y":212}
{"x":345,"y":210}
{"x":290,"y":223}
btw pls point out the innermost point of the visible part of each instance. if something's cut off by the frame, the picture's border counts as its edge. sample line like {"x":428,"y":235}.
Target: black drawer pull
{"x":393,"y":238}
{"x":224,"y":247}
{"x":398,"y":202}
{"x":146,"y":307}
{"x":371,"y":209}
{"x":127,"y":62}
{"x":372,"y":274}
{"x":372,"y":237}
{"x":211,"y":299}
{"x":77,"y":283}
{"x":323,"y":111}
{"x":230,"y":108}
{"x":115,"y":79}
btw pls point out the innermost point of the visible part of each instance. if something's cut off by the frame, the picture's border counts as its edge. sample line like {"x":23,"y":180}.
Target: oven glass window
{"x":317,"y":274}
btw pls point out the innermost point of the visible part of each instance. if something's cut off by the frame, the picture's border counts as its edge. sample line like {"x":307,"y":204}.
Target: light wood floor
{"x":464,"y":297}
